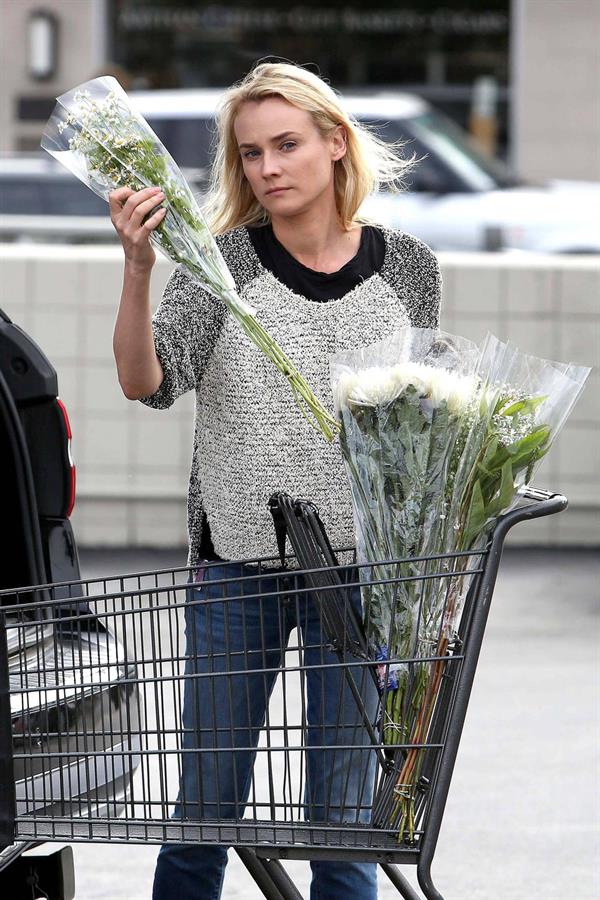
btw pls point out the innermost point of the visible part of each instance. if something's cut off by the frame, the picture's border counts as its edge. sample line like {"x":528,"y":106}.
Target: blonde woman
{"x":290,"y":174}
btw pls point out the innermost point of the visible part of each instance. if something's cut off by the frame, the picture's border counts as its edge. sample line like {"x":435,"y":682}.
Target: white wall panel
{"x":133,"y":462}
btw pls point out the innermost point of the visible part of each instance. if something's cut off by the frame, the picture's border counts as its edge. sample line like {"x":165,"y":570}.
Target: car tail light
{"x":71,"y":501}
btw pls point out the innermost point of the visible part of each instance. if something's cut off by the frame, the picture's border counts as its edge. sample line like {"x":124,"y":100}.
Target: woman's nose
{"x":270,"y":164}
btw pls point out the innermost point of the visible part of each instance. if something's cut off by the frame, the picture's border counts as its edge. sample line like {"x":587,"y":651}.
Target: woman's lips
{"x":276,"y":191}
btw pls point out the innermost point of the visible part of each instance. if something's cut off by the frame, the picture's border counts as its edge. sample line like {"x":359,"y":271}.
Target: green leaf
{"x":505,"y":493}
{"x":490,"y":450}
{"x":524,"y":407}
{"x":476,"y":515}
{"x":529,"y":444}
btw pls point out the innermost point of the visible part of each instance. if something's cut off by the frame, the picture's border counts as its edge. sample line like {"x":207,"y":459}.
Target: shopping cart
{"x":278,"y":750}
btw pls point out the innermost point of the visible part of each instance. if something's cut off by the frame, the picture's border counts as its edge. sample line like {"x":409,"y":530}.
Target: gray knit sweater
{"x":250,"y":438}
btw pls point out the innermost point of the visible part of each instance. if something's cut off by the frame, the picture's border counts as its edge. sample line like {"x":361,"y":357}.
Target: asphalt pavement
{"x":523,"y":816}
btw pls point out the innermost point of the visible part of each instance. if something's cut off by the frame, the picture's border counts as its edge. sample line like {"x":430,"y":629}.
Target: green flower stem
{"x":423,"y":704}
{"x":308,"y":404}
{"x":303,"y":395}
{"x":305,"y":399}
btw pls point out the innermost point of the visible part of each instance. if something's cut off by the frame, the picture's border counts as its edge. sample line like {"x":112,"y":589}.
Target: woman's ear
{"x":338,"y":145}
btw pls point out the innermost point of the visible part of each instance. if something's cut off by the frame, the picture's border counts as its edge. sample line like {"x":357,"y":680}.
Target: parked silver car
{"x":41,"y":201}
{"x":457,"y":198}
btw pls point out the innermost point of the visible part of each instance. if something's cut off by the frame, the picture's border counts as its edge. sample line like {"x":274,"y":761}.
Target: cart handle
{"x":544,"y":503}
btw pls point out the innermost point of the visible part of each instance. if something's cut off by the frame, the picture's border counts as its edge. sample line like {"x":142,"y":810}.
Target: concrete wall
{"x":555,"y":62}
{"x":133,"y":462}
{"x":81,"y":55}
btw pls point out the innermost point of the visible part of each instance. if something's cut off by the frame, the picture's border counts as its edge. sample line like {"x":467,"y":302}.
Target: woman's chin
{"x":275,"y":202}
{"x":289,"y":209}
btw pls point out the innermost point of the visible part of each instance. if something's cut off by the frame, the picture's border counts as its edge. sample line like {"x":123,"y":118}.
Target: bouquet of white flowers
{"x":96,"y":134}
{"x":438,"y":438}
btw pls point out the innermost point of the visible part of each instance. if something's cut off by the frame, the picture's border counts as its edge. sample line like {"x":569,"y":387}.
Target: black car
{"x":39,"y":548}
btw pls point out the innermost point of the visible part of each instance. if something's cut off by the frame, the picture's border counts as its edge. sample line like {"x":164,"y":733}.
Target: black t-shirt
{"x":317,"y":286}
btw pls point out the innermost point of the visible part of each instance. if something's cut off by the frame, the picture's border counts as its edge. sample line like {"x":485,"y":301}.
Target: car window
{"x":19,"y":197}
{"x":187,"y":140}
{"x":442,"y":137}
{"x":456,"y":152}
{"x":449,"y":150}
{"x":431,"y":173}
{"x":48,"y":196}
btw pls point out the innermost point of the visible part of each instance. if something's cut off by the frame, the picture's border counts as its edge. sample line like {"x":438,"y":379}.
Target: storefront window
{"x":434,"y":48}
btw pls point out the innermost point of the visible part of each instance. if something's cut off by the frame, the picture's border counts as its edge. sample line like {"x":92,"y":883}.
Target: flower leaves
{"x":492,"y":486}
{"x":397,"y":454}
{"x":522,"y":407}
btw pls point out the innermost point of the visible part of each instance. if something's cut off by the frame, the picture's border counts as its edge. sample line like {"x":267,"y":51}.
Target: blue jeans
{"x":227,"y":630}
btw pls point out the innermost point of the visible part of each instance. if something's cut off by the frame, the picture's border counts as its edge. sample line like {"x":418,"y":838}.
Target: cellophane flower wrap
{"x":439,"y":437}
{"x":96,"y":133}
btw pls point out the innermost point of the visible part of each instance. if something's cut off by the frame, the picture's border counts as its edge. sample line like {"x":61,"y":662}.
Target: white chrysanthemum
{"x":438,"y":384}
{"x":344,"y":387}
{"x":414,"y":375}
{"x":461,"y":393}
{"x":380,"y":385}
{"x":375,"y":386}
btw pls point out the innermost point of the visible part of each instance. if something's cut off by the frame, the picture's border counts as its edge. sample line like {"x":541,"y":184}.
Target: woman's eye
{"x":286,"y":146}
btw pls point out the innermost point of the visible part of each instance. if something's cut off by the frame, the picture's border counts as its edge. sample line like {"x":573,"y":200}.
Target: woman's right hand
{"x":128,"y":210}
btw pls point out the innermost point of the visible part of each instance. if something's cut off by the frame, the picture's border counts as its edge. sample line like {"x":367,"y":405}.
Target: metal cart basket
{"x":272,"y":744}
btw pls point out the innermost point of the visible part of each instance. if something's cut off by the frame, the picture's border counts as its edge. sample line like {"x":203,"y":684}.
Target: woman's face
{"x":287,"y":162}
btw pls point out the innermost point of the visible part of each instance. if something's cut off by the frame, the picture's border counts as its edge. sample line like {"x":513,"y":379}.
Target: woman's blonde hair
{"x":368,"y":164}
